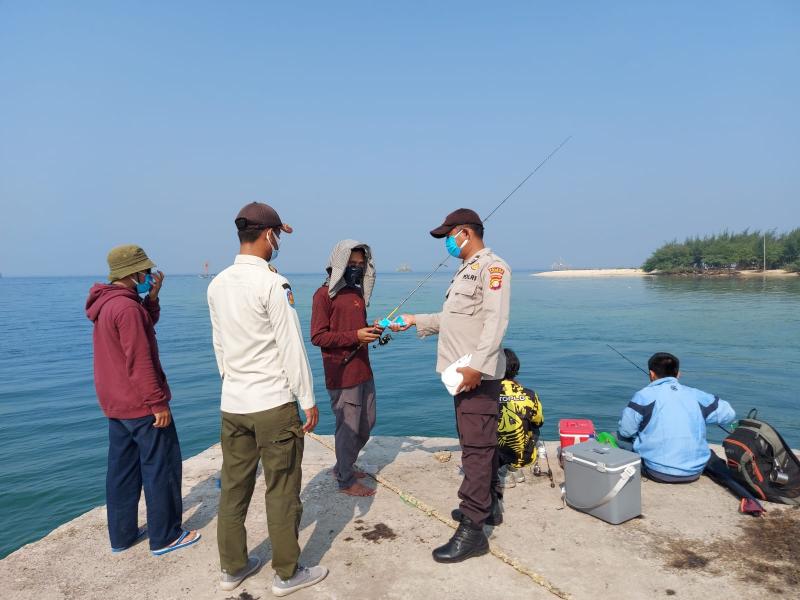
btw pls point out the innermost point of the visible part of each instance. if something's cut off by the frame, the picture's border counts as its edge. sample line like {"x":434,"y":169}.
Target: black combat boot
{"x":495,"y":517}
{"x":467,"y":541}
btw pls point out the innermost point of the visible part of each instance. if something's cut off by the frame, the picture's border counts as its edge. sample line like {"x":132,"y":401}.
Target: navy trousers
{"x":140,"y":455}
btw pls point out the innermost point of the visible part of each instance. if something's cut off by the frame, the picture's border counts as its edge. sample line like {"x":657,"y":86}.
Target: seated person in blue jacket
{"x":665,"y":423}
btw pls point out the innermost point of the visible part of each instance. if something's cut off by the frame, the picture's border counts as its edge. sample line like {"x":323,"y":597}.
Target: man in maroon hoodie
{"x":339,"y":327}
{"x":143,"y":449}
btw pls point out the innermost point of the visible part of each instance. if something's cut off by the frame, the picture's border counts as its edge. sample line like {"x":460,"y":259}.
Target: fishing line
{"x":503,"y":201}
{"x":386,"y":321}
{"x":628,"y":359}
{"x":411,"y":500}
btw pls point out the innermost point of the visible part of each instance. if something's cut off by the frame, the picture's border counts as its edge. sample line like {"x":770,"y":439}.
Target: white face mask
{"x":276,"y":248}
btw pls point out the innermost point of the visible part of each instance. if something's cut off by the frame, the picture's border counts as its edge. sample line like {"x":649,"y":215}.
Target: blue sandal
{"x":142,"y":531}
{"x":179,"y":543}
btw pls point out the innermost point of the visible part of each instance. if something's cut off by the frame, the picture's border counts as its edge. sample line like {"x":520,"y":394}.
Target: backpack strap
{"x":747,"y":459}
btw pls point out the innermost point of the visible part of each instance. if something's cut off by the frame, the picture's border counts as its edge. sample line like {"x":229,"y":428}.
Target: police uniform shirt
{"x":257,"y":339}
{"x":474,"y":317}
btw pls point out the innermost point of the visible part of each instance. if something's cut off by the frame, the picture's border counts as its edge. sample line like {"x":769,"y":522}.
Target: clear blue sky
{"x":154,"y":122}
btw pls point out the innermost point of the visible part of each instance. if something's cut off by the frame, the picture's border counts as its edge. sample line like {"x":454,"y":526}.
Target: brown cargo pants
{"x":276,"y":437}
{"x":477,"y":413}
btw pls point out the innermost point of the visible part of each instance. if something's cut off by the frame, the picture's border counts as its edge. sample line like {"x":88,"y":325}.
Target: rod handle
{"x":352,"y":355}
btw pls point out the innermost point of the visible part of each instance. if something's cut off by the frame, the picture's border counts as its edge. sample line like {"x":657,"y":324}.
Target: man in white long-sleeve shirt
{"x":265,"y":373}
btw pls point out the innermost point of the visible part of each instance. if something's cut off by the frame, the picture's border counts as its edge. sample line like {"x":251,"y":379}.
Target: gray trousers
{"x":354,"y":409}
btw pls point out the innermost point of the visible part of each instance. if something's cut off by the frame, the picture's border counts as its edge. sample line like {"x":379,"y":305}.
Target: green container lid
{"x":606,"y":439}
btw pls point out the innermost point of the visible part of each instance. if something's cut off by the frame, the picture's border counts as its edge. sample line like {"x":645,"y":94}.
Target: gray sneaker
{"x":506,"y":478}
{"x":230,"y":581}
{"x":302,"y":578}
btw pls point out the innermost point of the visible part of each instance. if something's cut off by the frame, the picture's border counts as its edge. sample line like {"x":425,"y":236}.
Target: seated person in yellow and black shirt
{"x":521,"y":416}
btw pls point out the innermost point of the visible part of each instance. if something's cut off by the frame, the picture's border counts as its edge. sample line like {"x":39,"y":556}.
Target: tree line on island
{"x":728,"y":252}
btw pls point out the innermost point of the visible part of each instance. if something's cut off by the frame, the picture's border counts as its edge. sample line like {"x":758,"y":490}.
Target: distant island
{"x":728,"y":253}
{"x":749,"y":253}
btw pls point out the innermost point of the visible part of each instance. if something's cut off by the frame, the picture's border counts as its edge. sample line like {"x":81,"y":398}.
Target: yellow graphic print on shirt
{"x":518,"y":428}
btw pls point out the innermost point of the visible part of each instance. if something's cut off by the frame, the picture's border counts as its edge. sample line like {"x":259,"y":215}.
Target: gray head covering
{"x":337,"y":263}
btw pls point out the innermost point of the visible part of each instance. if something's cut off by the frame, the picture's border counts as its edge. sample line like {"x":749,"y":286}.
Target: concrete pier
{"x":690,"y":542}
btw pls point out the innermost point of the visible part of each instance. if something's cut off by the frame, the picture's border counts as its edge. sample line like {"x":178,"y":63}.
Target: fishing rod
{"x":387,"y":321}
{"x":648,"y":374}
{"x":628,"y":359}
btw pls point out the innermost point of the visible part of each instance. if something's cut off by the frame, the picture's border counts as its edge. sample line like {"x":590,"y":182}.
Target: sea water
{"x":737,"y":338}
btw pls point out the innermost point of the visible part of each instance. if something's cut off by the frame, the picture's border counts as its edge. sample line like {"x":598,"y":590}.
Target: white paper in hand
{"x":452,"y":378}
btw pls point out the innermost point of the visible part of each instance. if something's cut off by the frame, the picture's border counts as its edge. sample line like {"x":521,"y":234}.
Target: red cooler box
{"x":575,"y":431}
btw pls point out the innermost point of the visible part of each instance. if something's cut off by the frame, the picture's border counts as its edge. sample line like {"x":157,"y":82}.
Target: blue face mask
{"x":144,"y":288}
{"x":452,"y":246}
{"x":275,"y":249}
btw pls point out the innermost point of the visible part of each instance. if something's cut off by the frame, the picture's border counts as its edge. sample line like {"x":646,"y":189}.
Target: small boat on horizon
{"x":205,"y":274}
{"x":403,"y":268}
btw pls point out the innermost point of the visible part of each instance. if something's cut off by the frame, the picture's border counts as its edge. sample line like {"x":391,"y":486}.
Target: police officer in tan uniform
{"x":473,"y":321}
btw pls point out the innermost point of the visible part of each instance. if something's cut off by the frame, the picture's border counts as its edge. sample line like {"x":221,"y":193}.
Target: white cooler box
{"x":602,"y":481}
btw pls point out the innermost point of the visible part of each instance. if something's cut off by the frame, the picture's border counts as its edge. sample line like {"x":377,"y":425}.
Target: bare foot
{"x":357,"y":474}
{"x":358,"y":489}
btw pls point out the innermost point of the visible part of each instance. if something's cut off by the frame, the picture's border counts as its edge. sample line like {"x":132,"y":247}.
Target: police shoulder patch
{"x":496,"y":277}
{"x":289,"y":294}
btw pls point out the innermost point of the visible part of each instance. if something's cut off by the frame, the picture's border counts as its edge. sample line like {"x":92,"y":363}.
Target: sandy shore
{"x":593,"y":273}
{"x":769,"y":273}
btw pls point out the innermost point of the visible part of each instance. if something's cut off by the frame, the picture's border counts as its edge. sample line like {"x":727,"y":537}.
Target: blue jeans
{"x":139,"y":455}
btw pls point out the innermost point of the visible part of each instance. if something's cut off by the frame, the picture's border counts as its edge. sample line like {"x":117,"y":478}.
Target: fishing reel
{"x":383,"y":340}
{"x":386,"y":324}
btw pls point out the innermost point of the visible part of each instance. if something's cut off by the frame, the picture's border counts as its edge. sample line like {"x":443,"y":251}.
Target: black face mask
{"x":354,"y":276}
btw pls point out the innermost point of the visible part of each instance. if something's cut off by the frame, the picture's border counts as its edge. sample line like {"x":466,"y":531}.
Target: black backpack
{"x":759,"y":458}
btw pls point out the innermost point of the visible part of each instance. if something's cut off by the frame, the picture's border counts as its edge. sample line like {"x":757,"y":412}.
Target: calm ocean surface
{"x":739,"y":339}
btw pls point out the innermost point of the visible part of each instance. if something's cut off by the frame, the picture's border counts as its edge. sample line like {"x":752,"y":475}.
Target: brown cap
{"x":258,"y":215}
{"x":461,"y":216}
